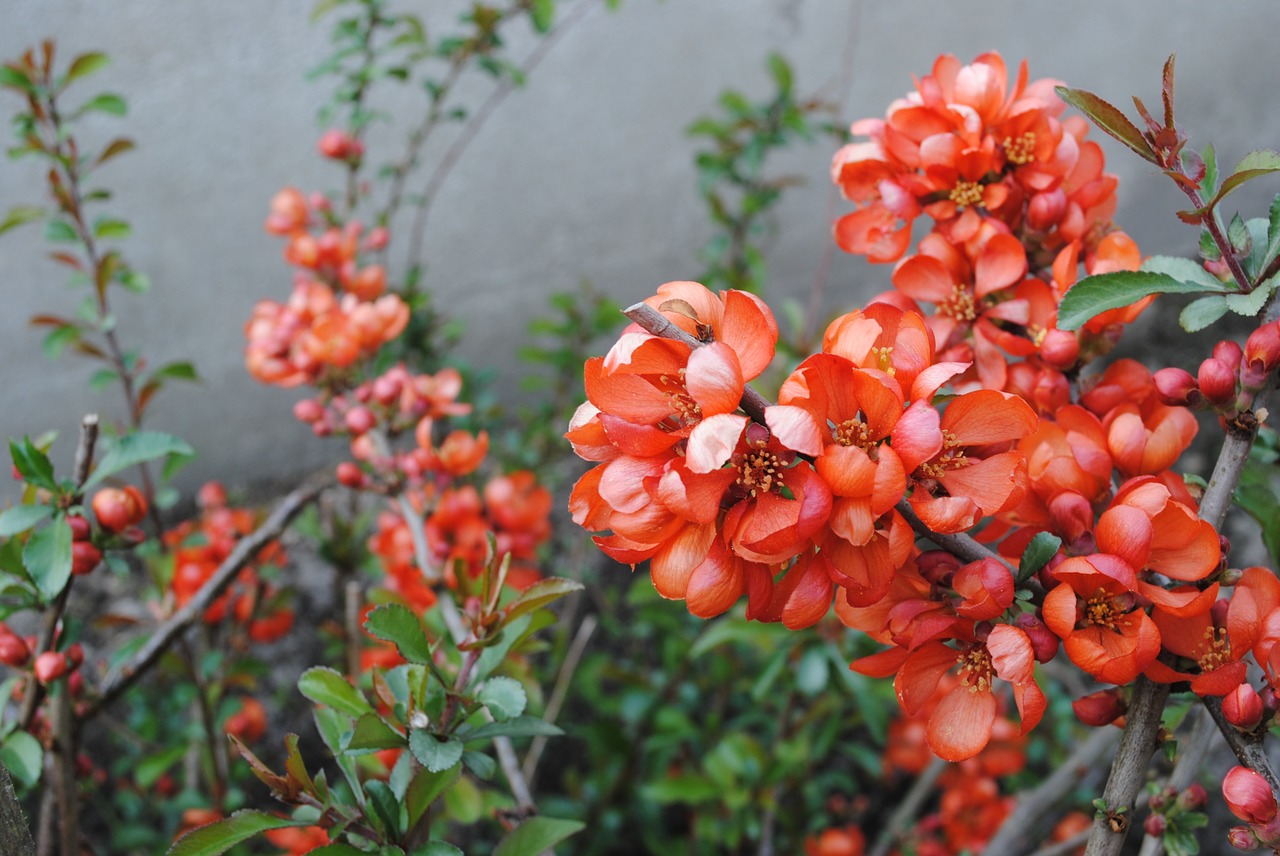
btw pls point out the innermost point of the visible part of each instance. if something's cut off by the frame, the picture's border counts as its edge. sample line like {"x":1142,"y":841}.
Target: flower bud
{"x":986,"y":587}
{"x":1261,"y":354}
{"x":377,"y":239}
{"x":13,"y":651}
{"x":1060,"y":349}
{"x":211,"y":495}
{"x":1217,"y":380}
{"x":1248,"y":795}
{"x":308,"y":410}
{"x":1155,"y":825}
{"x":1242,"y":838}
{"x":50,"y":666}
{"x":937,"y":566}
{"x":1044,"y":644}
{"x":350,"y":475}
{"x":1071,"y":515}
{"x":386,"y":389}
{"x":80,"y":528}
{"x":334,"y":144}
{"x":118,"y":508}
{"x":1046,"y":209}
{"x":1229,"y":352}
{"x":1177,"y":387}
{"x":360,"y":420}
{"x":84,"y":557}
{"x":1101,"y":708}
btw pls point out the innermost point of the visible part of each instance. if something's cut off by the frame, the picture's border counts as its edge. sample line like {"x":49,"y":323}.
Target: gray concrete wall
{"x":585,"y":173}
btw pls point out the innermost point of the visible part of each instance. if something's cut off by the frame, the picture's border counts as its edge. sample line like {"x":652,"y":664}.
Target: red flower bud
{"x":1100,"y":708}
{"x":1060,"y":349}
{"x":1248,"y":795}
{"x":84,"y":557}
{"x":50,"y":666}
{"x":360,"y":420}
{"x":212,"y":495}
{"x":937,"y":566}
{"x":1177,"y":387}
{"x":1193,"y":798}
{"x":350,"y":475}
{"x":80,"y":528}
{"x":1155,"y":825}
{"x":308,"y":410}
{"x":13,"y":651}
{"x":1229,"y":352}
{"x":377,"y":239}
{"x":1242,"y":838}
{"x":1217,"y":380}
{"x":986,"y":587}
{"x":334,"y":144}
{"x":1046,"y":209}
{"x":118,"y":508}
{"x":1044,"y":644}
{"x":1262,"y":348}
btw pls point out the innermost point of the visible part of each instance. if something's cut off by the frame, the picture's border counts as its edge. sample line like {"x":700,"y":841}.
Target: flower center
{"x":950,"y":458}
{"x":960,"y":305}
{"x":853,"y":432}
{"x":1021,"y":150}
{"x":686,"y":410}
{"x":1101,"y":611}
{"x":966,"y":193}
{"x":975,"y":669}
{"x":1036,"y":333}
{"x":1217,"y":649}
{"x":882,"y":359}
{"x":760,"y":471}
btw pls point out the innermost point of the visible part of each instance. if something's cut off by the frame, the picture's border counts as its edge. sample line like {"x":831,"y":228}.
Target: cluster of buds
{"x":14,"y":650}
{"x":340,"y":146}
{"x":1174,"y":812}
{"x":1250,"y":798}
{"x":1229,"y":380}
{"x":52,"y":665}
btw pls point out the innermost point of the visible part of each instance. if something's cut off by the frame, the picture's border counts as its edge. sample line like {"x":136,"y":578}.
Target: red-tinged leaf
{"x":1152,"y":125}
{"x":90,"y":350}
{"x":1184,"y":180}
{"x":19,"y":215}
{"x":539,"y":595}
{"x":295,"y":766}
{"x":118,"y":146}
{"x":68,"y":260}
{"x":51,"y":321}
{"x":1166,"y":90}
{"x":14,"y":77}
{"x":1192,"y":218}
{"x":278,"y":784}
{"x":149,"y":389}
{"x":1256,"y":163}
{"x":1109,"y":118}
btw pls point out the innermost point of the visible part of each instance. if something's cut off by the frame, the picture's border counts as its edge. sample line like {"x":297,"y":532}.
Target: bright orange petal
{"x":960,"y":726}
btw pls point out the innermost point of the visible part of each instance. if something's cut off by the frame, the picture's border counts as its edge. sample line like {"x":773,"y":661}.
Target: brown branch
{"x":1034,"y":804}
{"x":558,"y":694}
{"x":1063,"y":848}
{"x":910,"y":806}
{"x":244,"y":552}
{"x":1191,"y":754}
{"x":1247,"y":747}
{"x":64,"y":772}
{"x":15,"y":835}
{"x":84,"y":451}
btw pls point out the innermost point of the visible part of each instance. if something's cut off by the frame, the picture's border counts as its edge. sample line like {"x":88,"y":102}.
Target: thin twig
{"x":1191,"y":754}
{"x":353,"y":600}
{"x":64,"y":770}
{"x":244,"y":552}
{"x":909,"y":808}
{"x":84,"y":450}
{"x":1034,"y":804}
{"x":558,"y":694}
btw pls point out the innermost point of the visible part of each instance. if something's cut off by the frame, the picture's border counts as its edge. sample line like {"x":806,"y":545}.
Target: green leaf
{"x":480,"y":764}
{"x":1256,"y":163}
{"x":372,"y":733}
{"x":1200,"y":313}
{"x":542,"y":13}
{"x":437,"y":848}
{"x":337,"y":849}
{"x":385,"y":805}
{"x":505,"y":697}
{"x":33,"y":464}
{"x":434,"y":754}
{"x":86,"y":64}
{"x":1251,"y":304}
{"x":398,"y":625}
{"x":20,"y":518}
{"x":19,"y":215}
{"x":1238,"y":235}
{"x":542,"y":593}
{"x":15,"y":79}
{"x":138,"y":283}
{"x":136,"y":448}
{"x":1109,"y":118}
{"x":1183,"y":270}
{"x":107,"y":103}
{"x":151,"y":768}
{"x":1042,"y":548}
{"x":536,"y":835}
{"x":182,"y":370}
{"x":118,"y":146}
{"x":781,"y":72}
{"x":60,"y":231}
{"x":425,"y":789}
{"x":520,"y":726}
{"x":323,"y":685}
{"x":23,"y":756}
{"x":58,"y":339}
{"x":1096,"y":294}
{"x":109,"y":229}
{"x":47,"y":556}
{"x":220,"y":836}
{"x":682,"y":789}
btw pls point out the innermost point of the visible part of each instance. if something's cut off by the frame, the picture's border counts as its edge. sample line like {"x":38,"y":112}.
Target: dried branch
{"x":909,"y":808}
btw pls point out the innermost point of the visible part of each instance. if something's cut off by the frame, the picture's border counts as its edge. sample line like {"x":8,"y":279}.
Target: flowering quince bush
{"x":959,"y":473}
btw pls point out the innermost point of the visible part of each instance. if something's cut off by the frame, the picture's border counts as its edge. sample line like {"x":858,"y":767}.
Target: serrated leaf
{"x":15,"y":79}
{"x":520,"y":726}
{"x":1184,"y":270}
{"x":1096,"y":294}
{"x":1110,"y":119}
{"x":220,"y":836}
{"x":385,"y":805}
{"x":433,"y":753}
{"x":32,"y":463}
{"x":398,"y":625}
{"x":106,"y":103}
{"x":137,"y":448}
{"x":536,"y":835}
{"x":1238,"y":235}
{"x":326,"y":686}
{"x":1202,"y":312}
{"x":373,"y":733}
{"x":480,"y":764}
{"x":19,"y":215}
{"x":23,"y":756}
{"x":47,"y":556}
{"x":20,"y":518}
{"x":1042,"y":548}
{"x":86,"y":64}
{"x":505,"y":697}
{"x":1251,"y":304}
{"x":540,"y":594}
{"x":425,"y":789}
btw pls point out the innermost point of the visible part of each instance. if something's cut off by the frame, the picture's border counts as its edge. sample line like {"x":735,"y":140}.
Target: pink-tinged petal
{"x":1191,"y":549}
{"x":673,"y":565}
{"x":934,"y":377}
{"x":1125,"y":531}
{"x":880,"y":403}
{"x":624,"y":550}
{"x":852,"y":520}
{"x":1059,"y":610}
{"x":683,"y":297}
{"x":851,"y":336}
{"x":805,"y":592}
{"x":945,"y":514}
{"x":714,"y":379}
{"x":865,"y":572}
{"x":918,"y":435}
{"x":891,"y":481}
{"x":924,"y":278}
{"x":629,"y":396}
{"x":622,"y":484}
{"x":716,"y":584}
{"x":750,"y":329}
{"x":1255,"y":597}
{"x":713,"y":441}
{"x":993,"y":483}
{"x":918,"y":677}
{"x":960,"y":726}
{"x":1011,"y":654}
{"x":585,"y":505}
{"x":1181,"y":602}
{"x":1003,"y":263}
{"x":639,"y":352}
{"x":695,"y":498}
{"x":795,"y":428}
